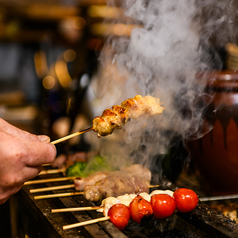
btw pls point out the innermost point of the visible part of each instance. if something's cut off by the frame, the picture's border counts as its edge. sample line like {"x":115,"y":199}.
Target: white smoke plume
{"x":162,"y":59}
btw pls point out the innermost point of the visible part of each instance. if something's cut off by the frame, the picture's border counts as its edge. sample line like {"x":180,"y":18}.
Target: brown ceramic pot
{"x":215,"y":155}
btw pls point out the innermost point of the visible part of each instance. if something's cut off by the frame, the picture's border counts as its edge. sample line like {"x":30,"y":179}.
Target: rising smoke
{"x":179,"y":38}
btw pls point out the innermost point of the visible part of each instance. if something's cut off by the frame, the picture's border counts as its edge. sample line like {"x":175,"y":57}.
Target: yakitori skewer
{"x":38,"y":181}
{"x":57,"y":195}
{"x":84,"y":223}
{"x":110,"y":201}
{"x":118,"y":115}
{"x":52,"y":171}
{"x":75,"y":209}
{"x":61,"y":187}
{"x":39,"y":190}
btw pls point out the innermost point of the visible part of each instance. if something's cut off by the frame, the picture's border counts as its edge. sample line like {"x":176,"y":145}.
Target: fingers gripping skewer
{"x":71,"y":136}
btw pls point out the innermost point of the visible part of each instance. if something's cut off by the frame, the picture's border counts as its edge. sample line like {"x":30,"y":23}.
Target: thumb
{"x":44,"y":138}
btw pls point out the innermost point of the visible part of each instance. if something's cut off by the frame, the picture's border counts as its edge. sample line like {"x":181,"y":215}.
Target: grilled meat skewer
{"x":133,"y":108}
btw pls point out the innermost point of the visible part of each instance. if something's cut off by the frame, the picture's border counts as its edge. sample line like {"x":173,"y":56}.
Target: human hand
{"x":21,"y":157}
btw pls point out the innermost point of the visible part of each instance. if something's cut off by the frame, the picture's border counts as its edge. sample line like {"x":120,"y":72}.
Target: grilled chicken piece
{"x":81,"y":183}
{"x":133,"y":108}
{"x":126,"y":199}
{"x":115,"y":184}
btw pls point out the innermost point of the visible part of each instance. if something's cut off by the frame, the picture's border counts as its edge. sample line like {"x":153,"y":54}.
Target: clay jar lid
{"x":220,"y":80}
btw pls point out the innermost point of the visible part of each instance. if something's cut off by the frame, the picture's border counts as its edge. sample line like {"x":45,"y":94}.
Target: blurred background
{"x":49,"y":52}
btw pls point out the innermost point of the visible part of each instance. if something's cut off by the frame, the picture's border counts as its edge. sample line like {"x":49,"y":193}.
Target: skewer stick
{"x":153,"y":186}
{"x":75,"y":209}
{"x":38,"y":190}
{"x":215,"y":198}
{"x":52,"y":171}
{"x":56,"y":195}
{"x":84,"y":223}
{"x":66,"y":194}
{"x":71,"y":136}
{"x":49,"y":180}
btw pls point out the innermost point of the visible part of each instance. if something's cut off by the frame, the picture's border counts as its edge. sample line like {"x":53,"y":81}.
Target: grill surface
{"x":201,"y":222}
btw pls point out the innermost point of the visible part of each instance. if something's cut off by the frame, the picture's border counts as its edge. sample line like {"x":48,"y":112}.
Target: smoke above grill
{"x":174,"y":41}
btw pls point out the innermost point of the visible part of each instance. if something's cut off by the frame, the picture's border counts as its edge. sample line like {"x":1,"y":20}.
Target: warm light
{"x":51,"y":11}
{"x":112,"y":29}
{"x":227,"y":77}
{"x":79,"y":23}
{"x":69,"y":55}
{"x":120,"y":29}
{"x":40,"y":63}
{"x":48,"y":82}
{"x":104,"y":12}
{"x":62,"y":73}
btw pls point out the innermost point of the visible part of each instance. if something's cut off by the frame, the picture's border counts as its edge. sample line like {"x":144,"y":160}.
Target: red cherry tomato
{"x":186,"y":199}
{"x":119,"y":215}
{"x":140,"y":208}
{"x":163,"y":205}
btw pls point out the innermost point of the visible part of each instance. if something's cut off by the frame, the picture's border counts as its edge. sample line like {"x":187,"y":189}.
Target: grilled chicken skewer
{"x":110,"y":201}
{"x":106,"y":204}
{"x":116,"y":117}
{"x":131,"y":108}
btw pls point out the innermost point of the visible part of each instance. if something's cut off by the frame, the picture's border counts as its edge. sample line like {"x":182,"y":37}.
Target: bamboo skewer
{"x":71,"y":136}
{"x":153,"y":186}
{"x":76,"y":209}
{"x":52,"y":171}
{"x":84,"y":223}
{"x":49,"y":180}
{"x":57,"y":195}
{"x":67,"y":194}
{"x":39,"y":190}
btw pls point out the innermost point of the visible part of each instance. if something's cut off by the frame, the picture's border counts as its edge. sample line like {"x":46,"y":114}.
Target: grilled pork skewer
{"x":116,"y":117}
{"x":81,"y":183}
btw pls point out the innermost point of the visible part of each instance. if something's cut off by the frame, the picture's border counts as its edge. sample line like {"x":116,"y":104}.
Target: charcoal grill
{"x":38,"y":221}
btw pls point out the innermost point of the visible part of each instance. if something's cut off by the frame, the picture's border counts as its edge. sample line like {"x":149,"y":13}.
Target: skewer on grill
{"x":84,"y":223}
{"x":106,"y":205}
{"x":52,"y":171}
{"x":53,"y":188}
{"x":58,"y":195}
{"x":75,"y":209}
{"x":60,"y":179}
